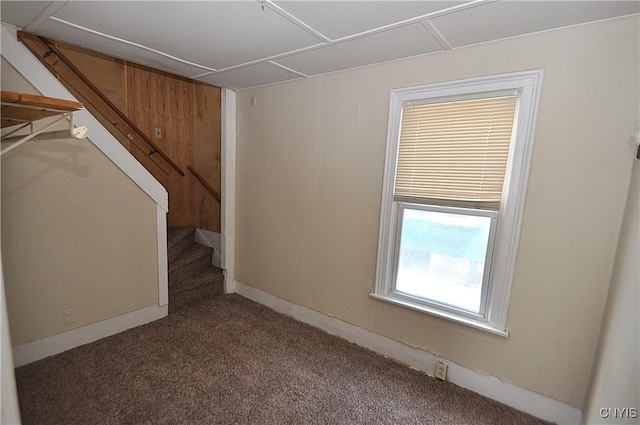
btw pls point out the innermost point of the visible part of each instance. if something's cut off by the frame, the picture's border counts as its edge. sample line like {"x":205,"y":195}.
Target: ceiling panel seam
{"x":373,"y":31}
{"x":319,"y":40}
{"x":131,"y":43}
{"x":47,"y":11}
{"x":436,"y":35}
{"x":204,"y":74}
{"x":320,"y":46}
{"x":326,"y":42}
{"x":286,"y":68}
{"x":415,"y":19}
{"x":296,"y":21}
{"x":273,"y":57}
{"x":423,"y":19}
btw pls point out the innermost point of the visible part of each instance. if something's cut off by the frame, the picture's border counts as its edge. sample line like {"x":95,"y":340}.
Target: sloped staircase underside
{"x":192,"y":277}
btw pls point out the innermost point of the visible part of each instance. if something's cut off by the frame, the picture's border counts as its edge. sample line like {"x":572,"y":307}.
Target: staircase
{"x":192,"y":277}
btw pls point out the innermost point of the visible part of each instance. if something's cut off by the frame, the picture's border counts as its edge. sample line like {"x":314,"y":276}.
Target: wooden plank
{"x":156,"y":113}
{"x":40,"y":101}
{"x":177,"y":130}
{"x":206,"y":154}
{"x":14,"y":115}
{"x":157,"y":100}
{"x":7,"y":123}
{"x":136,"y":98}
{"x":185,"y":105}
{"x":106,"y":73}
{"x":10,"y":96}
{"x":28,"y":107}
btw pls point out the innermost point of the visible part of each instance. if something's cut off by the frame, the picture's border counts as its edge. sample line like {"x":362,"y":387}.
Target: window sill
{"x":393,"y":299}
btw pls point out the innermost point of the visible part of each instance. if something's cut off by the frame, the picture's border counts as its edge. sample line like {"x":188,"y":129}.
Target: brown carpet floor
{"x":228,"y":360}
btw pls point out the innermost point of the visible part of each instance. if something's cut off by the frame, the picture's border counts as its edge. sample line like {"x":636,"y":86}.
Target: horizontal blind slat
{"x":455,"y":153}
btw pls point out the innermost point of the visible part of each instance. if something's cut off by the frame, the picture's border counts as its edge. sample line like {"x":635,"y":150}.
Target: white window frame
{"x":494,"y":313}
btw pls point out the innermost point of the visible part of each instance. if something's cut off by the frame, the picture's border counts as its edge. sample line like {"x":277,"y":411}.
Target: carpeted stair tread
{"x":201,"y":278}
{"x":195,"y":256}
{"x":192,"y":276}
{"x":179,"y":239}
{"x":176,"y":234}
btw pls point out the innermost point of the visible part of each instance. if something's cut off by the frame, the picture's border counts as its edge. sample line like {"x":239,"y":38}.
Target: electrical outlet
{"x":67,"y":317}
{"x":441,"y":371}
{"x":158,"y":133}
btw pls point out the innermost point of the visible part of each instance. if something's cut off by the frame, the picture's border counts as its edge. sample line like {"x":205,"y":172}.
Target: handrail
{"x":126,"y":126}
{"x":204,"y":183}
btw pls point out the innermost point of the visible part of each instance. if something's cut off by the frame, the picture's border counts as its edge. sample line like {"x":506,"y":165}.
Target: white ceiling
{"x":245,"y":43}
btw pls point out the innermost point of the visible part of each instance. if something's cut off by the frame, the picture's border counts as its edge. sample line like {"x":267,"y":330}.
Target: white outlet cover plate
{"x":441,"y":371}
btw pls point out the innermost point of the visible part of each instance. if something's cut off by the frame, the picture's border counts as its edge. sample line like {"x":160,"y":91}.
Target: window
{"x":456,"y":171}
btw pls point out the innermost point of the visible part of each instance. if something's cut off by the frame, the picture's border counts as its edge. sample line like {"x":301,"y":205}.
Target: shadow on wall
{"x":61,"y":155}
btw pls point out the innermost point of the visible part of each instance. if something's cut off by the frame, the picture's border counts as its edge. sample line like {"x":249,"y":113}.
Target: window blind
{"x":455,"y":153}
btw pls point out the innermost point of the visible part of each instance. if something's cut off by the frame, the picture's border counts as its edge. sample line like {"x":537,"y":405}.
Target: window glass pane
{"x":442,"y":257}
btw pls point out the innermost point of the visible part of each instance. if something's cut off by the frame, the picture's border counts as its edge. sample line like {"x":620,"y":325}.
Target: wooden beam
{"x":59,"y":65}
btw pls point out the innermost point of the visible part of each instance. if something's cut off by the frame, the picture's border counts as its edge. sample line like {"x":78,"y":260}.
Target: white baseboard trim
{"x":55,"y":344}
{"x":212,"y":240}
{"x":512,"y":395}
{"x":207,"y":238}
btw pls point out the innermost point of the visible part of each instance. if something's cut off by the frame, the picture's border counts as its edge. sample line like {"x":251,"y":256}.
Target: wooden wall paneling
{"x":107,"y":73}
{"x":206,"y":154}
{"x":187,"y":113}
{"x":137,"y":103}
{"x":154,"y":112}
{"x":104,"y":121}
{"x":88,"y":102}
{"x":139,"y":98}
{"x":185,"y":106}
{"x":72,"y":77}
{"x":178,"y":111}
{"x":146,"y":92}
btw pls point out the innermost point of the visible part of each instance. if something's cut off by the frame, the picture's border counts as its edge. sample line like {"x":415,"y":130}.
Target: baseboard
{"x":212,"y":240}
{"x":55,"y":344}
{"x":512,"y":395}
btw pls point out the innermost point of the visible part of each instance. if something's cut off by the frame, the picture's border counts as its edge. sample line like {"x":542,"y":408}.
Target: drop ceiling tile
{"x":411,"y":40}
{"x":337,"y":19}
{"x":217,"y":34}
{"x":250,"y":76}
{"x":117,"y":49}
{"x":20,"y":13}
{"x":504,"y":19}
